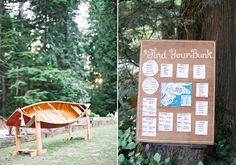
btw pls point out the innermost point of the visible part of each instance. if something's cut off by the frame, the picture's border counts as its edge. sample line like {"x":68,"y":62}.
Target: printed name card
{"x":176,"y":92}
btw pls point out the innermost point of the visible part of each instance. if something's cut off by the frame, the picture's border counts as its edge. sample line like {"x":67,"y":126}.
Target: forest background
{"x":46,"y":55}
{"x":177,"y":19}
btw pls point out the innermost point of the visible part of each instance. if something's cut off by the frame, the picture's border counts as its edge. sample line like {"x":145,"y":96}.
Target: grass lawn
{"x":100,"y":150}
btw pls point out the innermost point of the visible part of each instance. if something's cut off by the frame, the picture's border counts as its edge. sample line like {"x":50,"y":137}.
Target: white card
{"x":150,"y":85}
{"x":202,"y":90}
{"x":201,"y":108}
{"x":201,"y":127}
{"x":150,"y":68}
{"x":149,"y":106}
{"x":182,"y":70}
{"x":166,"y":70}
{"x":183,"y":122}
{"x":165,"y":121}
{"x":199,"y":71}
{"x":149,"y":127}
{"x":186,"y":100}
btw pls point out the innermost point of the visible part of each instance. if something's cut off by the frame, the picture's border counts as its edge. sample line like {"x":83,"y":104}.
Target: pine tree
{"x":102,"y":50}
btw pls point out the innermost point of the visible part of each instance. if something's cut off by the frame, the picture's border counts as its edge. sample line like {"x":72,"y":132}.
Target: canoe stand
{"x":88,"y":135}
{"x":39,"y":149}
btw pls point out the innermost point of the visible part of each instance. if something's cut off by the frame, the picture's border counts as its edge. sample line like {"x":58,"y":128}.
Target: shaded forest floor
{"x":100,"y":150}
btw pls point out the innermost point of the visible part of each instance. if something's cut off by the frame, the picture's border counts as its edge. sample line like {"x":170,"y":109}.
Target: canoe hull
{"x":56,"y":114}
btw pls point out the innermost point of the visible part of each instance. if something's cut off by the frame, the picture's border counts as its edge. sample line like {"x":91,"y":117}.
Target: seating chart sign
{"x":176,"y":93}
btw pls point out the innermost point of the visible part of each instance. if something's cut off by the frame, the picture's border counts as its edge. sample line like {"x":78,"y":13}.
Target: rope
{"x":22,"y":121}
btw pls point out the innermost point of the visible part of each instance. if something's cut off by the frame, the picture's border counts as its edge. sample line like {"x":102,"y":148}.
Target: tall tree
{"x":2,"y":76}
{"x":42,"y":54}
{"x":217,"y":21}
{"x":102,"y":49}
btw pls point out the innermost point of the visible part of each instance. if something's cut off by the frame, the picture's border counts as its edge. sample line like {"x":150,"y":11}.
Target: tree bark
{"x":219,"y":24}
{"x":1,"y":12}
{"x":215,"y":22}
{"x":190,"y":28}
{"x":1,"y":56}
{"x":1,"y":6}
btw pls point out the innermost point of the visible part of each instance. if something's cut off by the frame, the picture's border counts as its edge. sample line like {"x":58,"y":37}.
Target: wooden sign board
{"x":176,"y":92}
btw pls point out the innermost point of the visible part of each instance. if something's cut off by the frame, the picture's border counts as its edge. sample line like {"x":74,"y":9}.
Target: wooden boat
{"x":52,"y":114}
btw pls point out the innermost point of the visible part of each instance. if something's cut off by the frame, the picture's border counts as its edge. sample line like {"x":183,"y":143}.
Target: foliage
{"x":200,"y":163}
{"x":109,"y":115}
{"x":102,"y":50}
{"x":44,"y":55}
{"x":92,"y":114}
{"x":220,"y":154}
{"x":129,"y":151}
{"x":138,"y":20}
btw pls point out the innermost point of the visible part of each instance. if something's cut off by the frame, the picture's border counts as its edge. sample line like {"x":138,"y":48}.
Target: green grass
{"x":100,"y":150}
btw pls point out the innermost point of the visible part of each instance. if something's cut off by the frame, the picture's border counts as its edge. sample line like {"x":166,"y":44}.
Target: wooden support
{"x":29,"y":123}
{"x":70,"y":131}
{"x":18,"y":142}
{"x":88,"y":135}
{"x":21,"y":136}
{"x":39,"y":146}
{"x":39,"y":149}
{"x":88,"y":132}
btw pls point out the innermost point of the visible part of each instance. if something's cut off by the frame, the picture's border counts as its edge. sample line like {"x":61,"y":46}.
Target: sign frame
{"x":174,"y":52}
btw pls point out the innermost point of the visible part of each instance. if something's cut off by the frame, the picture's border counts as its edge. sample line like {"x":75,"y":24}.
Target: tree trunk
{"x":213,"y":22}
{"x":209,"y":22}
{"x":1,"y":6}
{"x":190,"y":28}
{"x":1,"y":56}
{"x":3,"y":96}
{"x":219,"y":24}
{"x":1,"y":12}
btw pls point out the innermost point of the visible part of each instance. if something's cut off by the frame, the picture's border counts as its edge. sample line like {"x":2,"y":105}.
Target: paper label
{"x":201,"y":108}
{"x":165,"y":121}
{"x":182,"y":70}
{"x":176,"y":94}
{"x":150,"y":85}
{"x":202,"y":90}
{"x":149,"y":127}
{"x":186,"y":100}
{"x":149,"y":106}
{"x":166,"y":70}
{"x":183,"y":122}
{"x":201,"y":127}
{"x":199,"y":71}
{"x":150,"y":68}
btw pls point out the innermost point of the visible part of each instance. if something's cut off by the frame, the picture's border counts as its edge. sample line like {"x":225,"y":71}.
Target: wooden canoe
{"x":52,"y":114}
